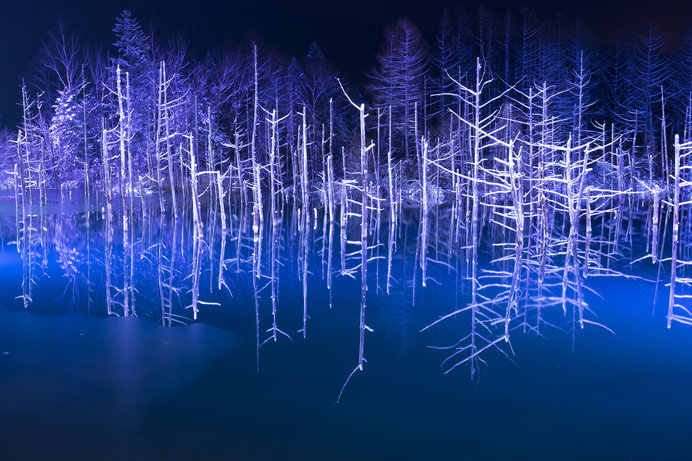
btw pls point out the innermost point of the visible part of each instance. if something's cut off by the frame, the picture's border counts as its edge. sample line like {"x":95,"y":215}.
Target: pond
{"x":257,"y":339}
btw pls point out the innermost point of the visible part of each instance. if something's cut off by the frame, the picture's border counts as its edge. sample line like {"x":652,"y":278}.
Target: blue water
{"x":76,"y":383}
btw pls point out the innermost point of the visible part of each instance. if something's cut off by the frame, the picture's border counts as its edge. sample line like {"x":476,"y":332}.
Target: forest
{"x":534,"y":159}
{"x":538,"y":81}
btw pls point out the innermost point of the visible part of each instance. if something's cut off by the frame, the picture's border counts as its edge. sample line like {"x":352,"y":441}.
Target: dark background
{"x":349,"y":31}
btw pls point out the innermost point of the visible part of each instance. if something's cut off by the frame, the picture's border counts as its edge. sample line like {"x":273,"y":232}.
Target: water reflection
{"x":422,"y":266}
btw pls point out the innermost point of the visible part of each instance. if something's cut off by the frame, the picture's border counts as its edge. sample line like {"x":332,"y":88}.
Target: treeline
{"x":148,"y":103}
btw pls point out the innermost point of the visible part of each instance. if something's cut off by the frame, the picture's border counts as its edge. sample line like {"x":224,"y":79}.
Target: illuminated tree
{"x":397,"y":79}
{"x":653,"y":70}
{"x":134,"y":60}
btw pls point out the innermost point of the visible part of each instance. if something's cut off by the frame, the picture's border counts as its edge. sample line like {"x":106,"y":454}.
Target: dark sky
{"x":349,"y":31}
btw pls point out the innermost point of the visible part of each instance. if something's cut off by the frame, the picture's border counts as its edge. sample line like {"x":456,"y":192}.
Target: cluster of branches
{"x":150,"y":95}
{"x":636,"y":85}
{"x":553,"y":150}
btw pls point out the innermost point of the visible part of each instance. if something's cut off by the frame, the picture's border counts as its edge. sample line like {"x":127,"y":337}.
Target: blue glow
{"x":254,"y":237}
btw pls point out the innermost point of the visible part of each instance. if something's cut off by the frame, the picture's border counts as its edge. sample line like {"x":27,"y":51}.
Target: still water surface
{"x":155,"y":344}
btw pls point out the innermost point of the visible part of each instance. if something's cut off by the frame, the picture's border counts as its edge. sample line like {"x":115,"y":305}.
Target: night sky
{"x":349,"y":32}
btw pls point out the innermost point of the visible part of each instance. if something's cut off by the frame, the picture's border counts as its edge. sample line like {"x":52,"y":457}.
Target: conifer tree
{"x":398,"y":78}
